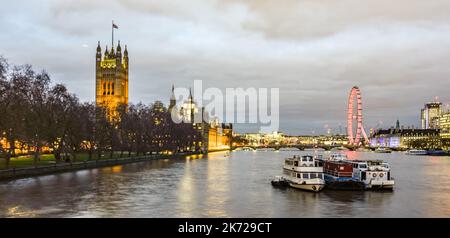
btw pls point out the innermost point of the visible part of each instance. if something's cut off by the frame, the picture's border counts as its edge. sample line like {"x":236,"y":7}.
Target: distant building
{"x":406,"y":138}
{"x":111,"y":78}
{"x":279,"y":139}
{"x":213,"y":136}
{"x":430,"y":115}
{"x":444,"y":123}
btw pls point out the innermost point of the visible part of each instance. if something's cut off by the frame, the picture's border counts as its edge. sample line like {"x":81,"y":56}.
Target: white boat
{"x":383,"y":150}
{"x":375,"y":174}
{"x":416,"y":152}
{"x":338,"y":157}
{"x":340,"y":148}
{"x":304,"y":172}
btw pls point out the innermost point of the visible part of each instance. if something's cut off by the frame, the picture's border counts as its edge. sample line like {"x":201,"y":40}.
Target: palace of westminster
{"x":111,"y":90}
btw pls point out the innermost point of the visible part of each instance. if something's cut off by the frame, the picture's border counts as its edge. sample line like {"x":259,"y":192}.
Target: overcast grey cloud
{"x":397,"y":52}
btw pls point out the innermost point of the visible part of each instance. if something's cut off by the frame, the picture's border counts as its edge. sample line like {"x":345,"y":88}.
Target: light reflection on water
{"x":225,"y":184}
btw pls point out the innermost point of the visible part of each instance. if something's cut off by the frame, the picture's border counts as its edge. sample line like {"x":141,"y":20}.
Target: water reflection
{"x":233,"y":184}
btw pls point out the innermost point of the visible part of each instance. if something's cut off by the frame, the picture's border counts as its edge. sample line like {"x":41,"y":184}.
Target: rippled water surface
{"x":235,"y":184}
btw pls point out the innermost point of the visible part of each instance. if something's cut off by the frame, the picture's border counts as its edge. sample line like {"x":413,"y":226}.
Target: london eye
{"x":355,"y":119}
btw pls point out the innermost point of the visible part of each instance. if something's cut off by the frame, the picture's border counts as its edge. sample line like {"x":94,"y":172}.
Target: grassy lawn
{"x":48,"y":159}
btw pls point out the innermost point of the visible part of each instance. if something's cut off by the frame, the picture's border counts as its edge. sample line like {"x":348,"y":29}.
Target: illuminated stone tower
{"x":111,"y":78}
{"x":173,"y":100}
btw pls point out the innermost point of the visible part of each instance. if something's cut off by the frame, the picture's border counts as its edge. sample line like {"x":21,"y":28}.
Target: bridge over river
{"x":295,"y":146}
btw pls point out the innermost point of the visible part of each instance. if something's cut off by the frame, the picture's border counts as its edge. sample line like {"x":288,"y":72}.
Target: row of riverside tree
{"x":37,"y":114}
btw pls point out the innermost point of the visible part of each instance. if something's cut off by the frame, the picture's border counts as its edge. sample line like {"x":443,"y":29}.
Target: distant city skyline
{"x":314,"y":51}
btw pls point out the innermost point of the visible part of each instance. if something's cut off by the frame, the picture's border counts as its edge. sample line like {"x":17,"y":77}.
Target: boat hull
{"x":346,"y":185}
{"x":308,"y":187}
{"x":438,"y":153}
{"x":343,"y":183}
{"x":381,"y":185}
{"x":280,"y":183}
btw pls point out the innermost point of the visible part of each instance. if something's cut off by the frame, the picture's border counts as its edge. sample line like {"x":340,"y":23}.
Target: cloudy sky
{"x":314,"y":51}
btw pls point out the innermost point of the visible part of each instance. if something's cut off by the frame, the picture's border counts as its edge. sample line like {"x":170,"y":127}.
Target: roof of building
{"x":405,"y":132}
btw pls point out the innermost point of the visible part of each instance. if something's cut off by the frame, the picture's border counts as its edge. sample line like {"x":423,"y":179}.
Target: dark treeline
{"x":40,"y":115}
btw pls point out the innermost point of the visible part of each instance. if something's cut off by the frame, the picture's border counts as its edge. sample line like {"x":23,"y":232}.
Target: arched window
{"x":104,"y":88}
{"x":112,"y":88}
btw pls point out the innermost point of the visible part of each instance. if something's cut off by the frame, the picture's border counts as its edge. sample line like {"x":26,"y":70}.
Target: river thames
{"x":225,"y":184}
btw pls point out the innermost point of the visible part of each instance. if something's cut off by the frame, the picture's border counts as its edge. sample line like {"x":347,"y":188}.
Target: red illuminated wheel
{"x":355,"y":139}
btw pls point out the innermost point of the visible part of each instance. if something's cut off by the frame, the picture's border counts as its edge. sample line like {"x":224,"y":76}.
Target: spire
{"x":397,"y":124}
{"x":173,"y":100}
{"x":99,"y":49}
{"x":106,"y":52}
{"x":119,"y":49}
{"x":172,"y":97}
{"x":190,"y":93}
{"x":126,"y":51}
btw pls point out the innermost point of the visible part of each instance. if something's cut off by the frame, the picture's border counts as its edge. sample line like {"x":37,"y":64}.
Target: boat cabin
{"x":338,"y":168}
{"x":303,"y":161}
{"x":371,"y":170}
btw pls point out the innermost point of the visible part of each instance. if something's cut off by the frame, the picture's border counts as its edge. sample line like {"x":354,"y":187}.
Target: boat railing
{"x":337,"y":173}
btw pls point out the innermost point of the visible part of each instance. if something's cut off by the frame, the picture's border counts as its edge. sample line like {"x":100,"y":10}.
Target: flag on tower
{"x":115,"y":26}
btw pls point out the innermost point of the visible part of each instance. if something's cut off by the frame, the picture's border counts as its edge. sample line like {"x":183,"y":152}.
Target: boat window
{"x":363,"y":175}
{"x":362,"y":166}
{"x":305,"y":175}
{"x":298,"y":176}
{"x":296,"y":163}
{"x":321,"y":176}
{"x":312,"y":175}
{"x":311,"y":159}
{"x":304,"y":159}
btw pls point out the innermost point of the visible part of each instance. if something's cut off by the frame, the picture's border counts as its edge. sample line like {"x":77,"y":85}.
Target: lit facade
{"x":430,"y":115}
{"x":111,"y":78}
{"x":444,"y":123}
{"x":407,"y":138}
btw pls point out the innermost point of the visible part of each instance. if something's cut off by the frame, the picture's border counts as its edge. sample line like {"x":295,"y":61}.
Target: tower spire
{"x":173,"y":100}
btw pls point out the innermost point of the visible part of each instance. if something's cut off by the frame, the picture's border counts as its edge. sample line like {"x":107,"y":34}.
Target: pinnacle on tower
{"x":119,"y":49}
{"x":172,"y":97}
{"x":106,"y":52}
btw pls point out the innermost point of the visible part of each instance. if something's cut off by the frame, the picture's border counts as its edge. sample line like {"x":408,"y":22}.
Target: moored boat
{"x":438,"y":153}
{"x":383,"y":150}
{"x":338,"y":173}
{"x":304,"y":172}
{"x":375,"y":174}
{"x":279,"y":181}
{"x":416,"y":152}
